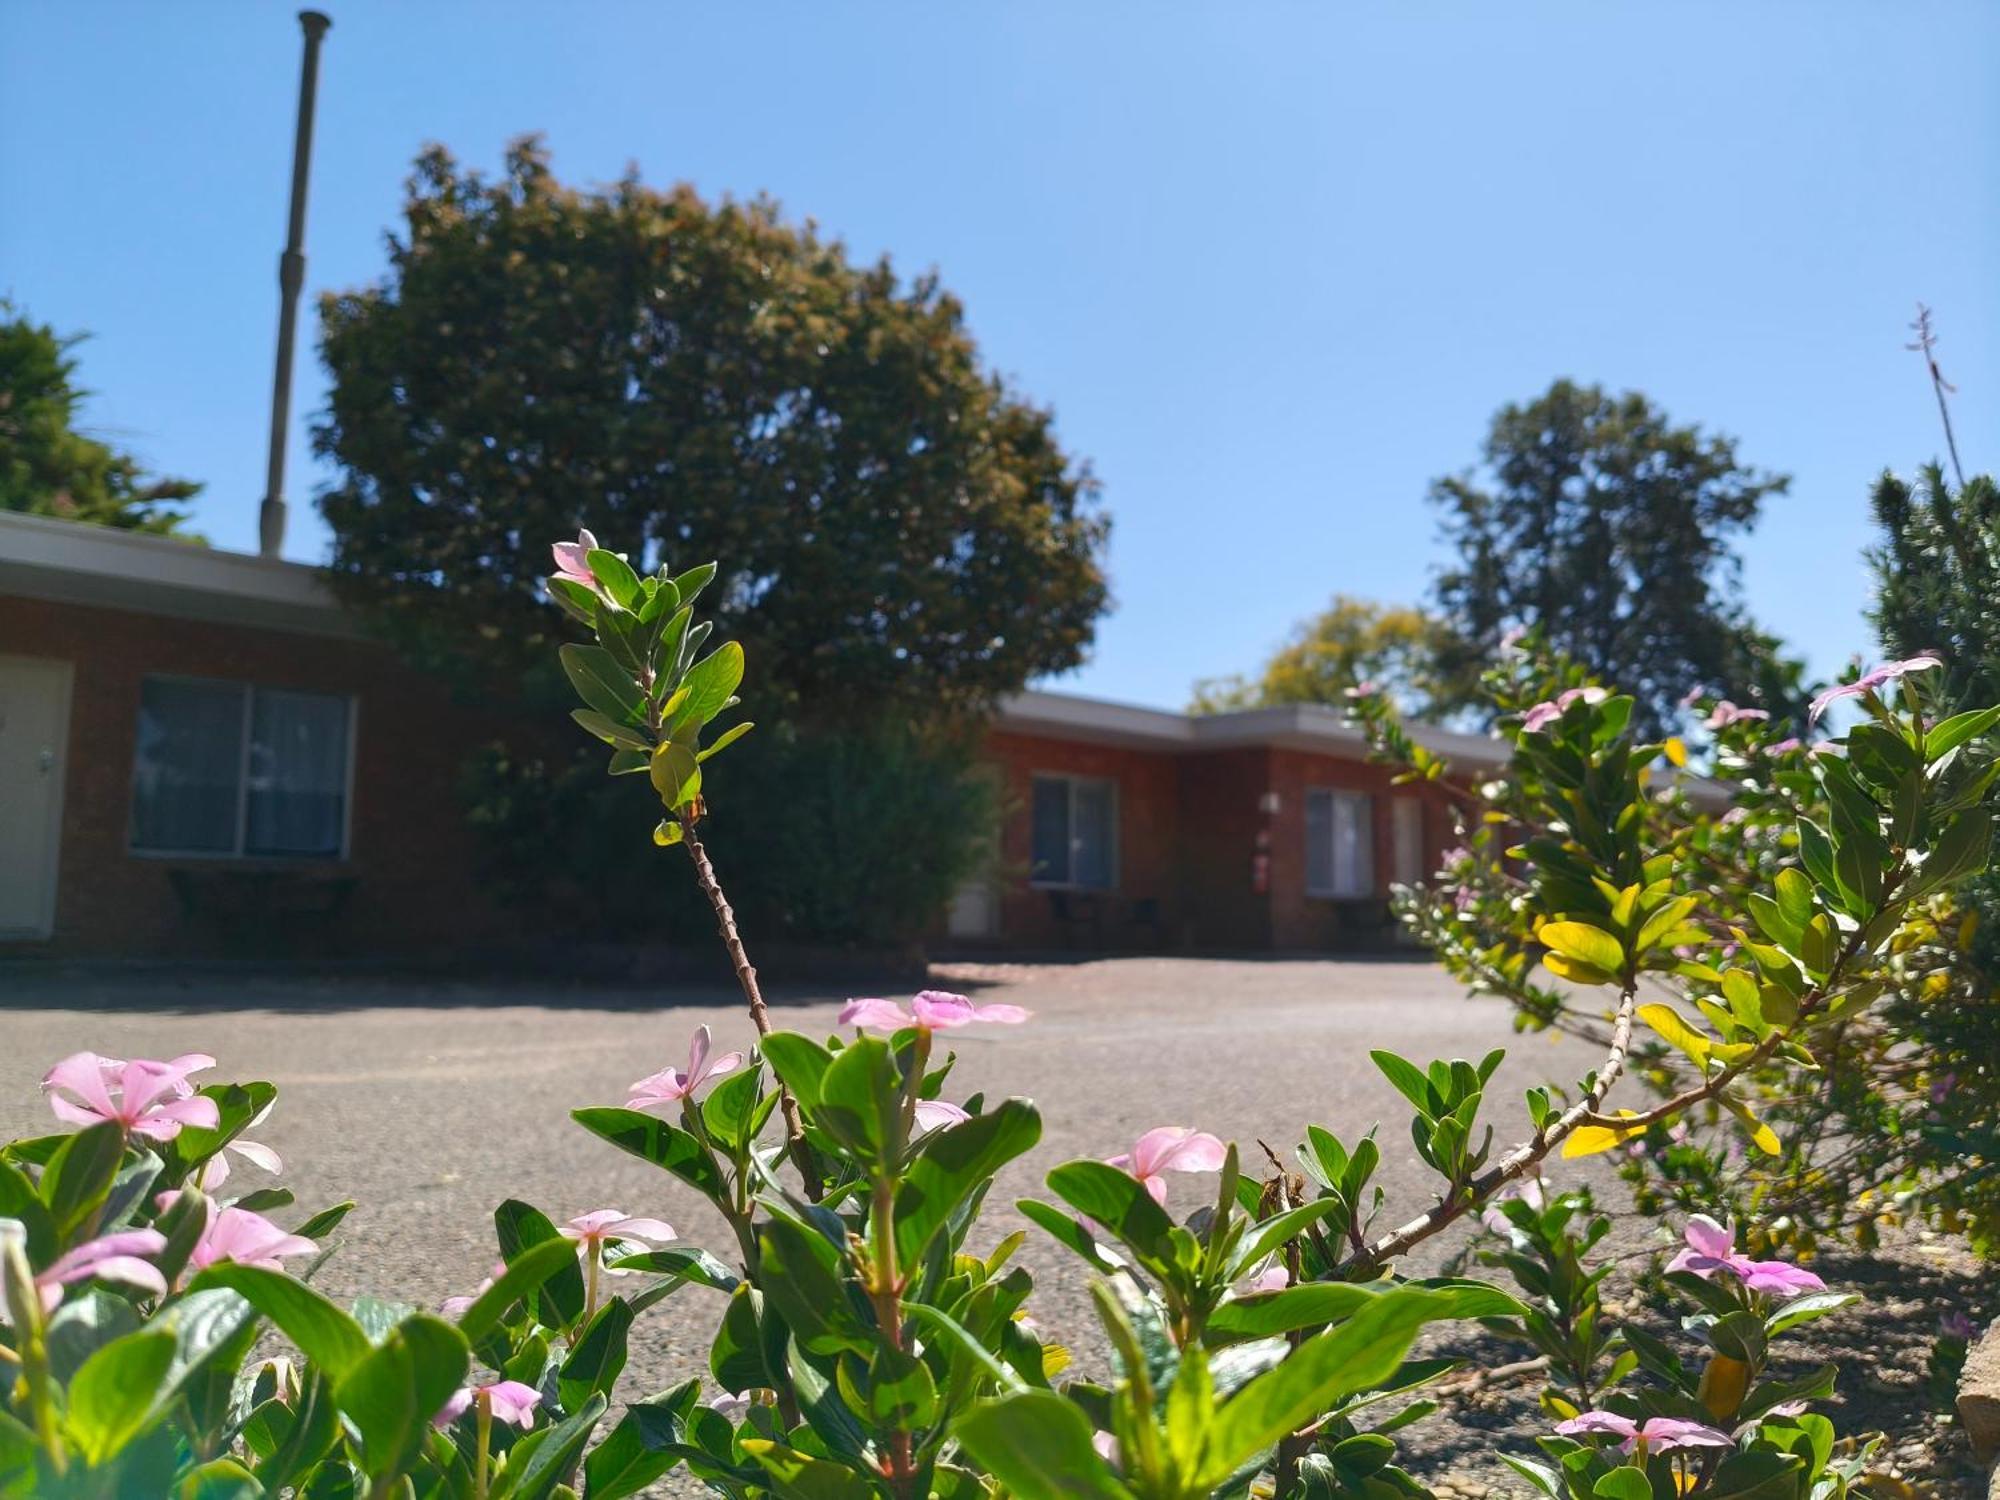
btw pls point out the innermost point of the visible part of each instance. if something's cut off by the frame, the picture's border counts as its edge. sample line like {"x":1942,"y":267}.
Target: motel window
{"x":1075,"y":832}
{"x":221,"y":768}
{"x":1340,"y":844}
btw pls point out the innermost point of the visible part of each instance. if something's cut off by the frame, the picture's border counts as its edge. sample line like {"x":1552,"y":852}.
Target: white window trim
{"x":238,"y":855}
{"x":1334,"y":793}
{"x":1071,"y":781}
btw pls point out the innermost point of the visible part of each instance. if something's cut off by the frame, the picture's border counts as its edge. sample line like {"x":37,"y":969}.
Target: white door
{"x":1408,"y":825}
{"x":34,"y":736}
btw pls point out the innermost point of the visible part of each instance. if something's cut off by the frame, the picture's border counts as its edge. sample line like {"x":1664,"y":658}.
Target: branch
{"x":746,"y":977}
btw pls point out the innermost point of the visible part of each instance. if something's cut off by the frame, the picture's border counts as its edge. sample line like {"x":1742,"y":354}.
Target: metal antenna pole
{"x":291,"y":277}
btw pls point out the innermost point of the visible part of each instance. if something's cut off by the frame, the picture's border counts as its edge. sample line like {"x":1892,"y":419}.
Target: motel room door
{"x":34,"y":735}
{"x":975,"y":906}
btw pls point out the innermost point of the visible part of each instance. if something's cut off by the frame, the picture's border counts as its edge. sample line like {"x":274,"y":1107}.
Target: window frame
{"x":1071,"y":781}
{"x":1334,"y":794}
{"x":238,"y":854}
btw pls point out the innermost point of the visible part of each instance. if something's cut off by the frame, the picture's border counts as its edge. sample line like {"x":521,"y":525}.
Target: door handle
{"x":48,"y":760}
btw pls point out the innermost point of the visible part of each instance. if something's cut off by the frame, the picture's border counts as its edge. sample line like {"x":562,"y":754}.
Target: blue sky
{"x":1273,"y":265}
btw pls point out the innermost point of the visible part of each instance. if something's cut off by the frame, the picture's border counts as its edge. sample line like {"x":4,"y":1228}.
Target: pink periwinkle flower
{"x":510,"y":1401}
{"x":1271,"y":1279}
{"x":1512,"y":636}
{"x":1726,"y":713}
{"x":1528,"y":1189}
{"x":1364,"y":689}
{"x":1658,"y":1434}
{"x":670,"y":1084}
{"x":215,"y":1171}
{"x":1693,"y":696}
{"x":1544,"y":714}
{"x":602,"y":1226}
{"x":1710,"y":1248}
{"x":931,"y":1010}
{"x":1958,"y":1325}
{"x":1783,"y":747}
{"x":934,"y":1114}
{"x":573,"y":560}
{"x":246,"y":1239}
{"x":1169,"y":1148}
{"x":110,"y":1257}
{"x":144,"y":1097}
{"x":1105,"y":1446}
{"x":1870,"y":680}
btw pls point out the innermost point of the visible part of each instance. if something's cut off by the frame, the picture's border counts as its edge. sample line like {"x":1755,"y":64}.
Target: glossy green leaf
{"x":601,"y":682}
{"x":652,"y":1139}
{"x":955,"y":1162}
{"x":394,"y":1391}
{"x":1039,"y":1446}
{"x":114,"y":1395}
{"x":525,"y":1274}
{"x":323,"y":1333}
{"x":593,"y":1363}
{"x":558,"y":1297}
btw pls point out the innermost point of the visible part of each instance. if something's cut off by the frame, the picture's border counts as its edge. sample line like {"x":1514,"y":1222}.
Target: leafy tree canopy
{"x":1937,"y":576}
{"x":1351,"y":642}
{"x":1597,"y":520}
{"x":896,"y":523}
{"x":48,"y":467}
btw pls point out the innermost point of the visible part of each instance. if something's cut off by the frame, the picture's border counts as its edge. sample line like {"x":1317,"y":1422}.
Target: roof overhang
{"x":70,"y":563}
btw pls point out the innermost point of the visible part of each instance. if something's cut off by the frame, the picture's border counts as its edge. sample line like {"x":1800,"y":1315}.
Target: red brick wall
{"x":417,"y":887}
{"x":1148,"y":841}
{"x":1220,"y":794}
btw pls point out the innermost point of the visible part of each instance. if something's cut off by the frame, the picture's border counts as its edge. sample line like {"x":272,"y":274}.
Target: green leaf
{"x":1312,"y":1305}
{"x":595,"y":1360}
{"x":731,"y":1108}
{"x":558,"y":1297}
{"x":1623,"y":1483}
{"x":1360,"y":1353}
{"x":113,"y":1397}
{"x":1409,"y":1080}
{"x":710,"y":683}
{"x":1584,"y":943}
{"x":392,"y":1393}
{"x":541,"y":1471}
{"x":611,"y":731}
{"x":675,"y":774}
{"x":1278,"y":1230}
{"x":901,"y":1393}
{"x":800,"y":1063}
{"x":601,"y":682}
{"x":799,"y":1280}
{"x":687,"y":1263}
{"x":654,"y":1140}
{"x":1755,"y":1476}
{"x":800,"y":1476}
{"x":80,"y":1174}
{"x":324,"y":1334}
{"x":1039,"y":1446}
{"x":1806,"y":1309}
{"x":525,"y":1274}
{"x":1116,"y":1200}
{"x":625,"y":1463}
{"x":727,"y":738}
{"x":1795,"y":897}
{"x":615,"y":574}
{"x":1949,"y":734}
{"x":860,"y":1096}
{"x":693,"y":581}
{"x":955,"y":1162}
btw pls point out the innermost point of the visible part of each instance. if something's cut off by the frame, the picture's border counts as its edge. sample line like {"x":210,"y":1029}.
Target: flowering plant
{"x":870,"y":1343}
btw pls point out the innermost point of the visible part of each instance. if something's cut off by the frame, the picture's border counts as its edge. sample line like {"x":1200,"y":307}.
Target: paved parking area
{"x":429,"y":1102}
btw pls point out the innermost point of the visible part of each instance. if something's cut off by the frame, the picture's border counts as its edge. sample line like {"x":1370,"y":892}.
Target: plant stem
{"x":746,"y":977}
{"x":484,"y":1421}
{"x":886,"y":1293}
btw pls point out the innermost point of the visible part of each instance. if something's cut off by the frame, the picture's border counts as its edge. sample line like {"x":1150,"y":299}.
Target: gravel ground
{"x":429,"y":1102}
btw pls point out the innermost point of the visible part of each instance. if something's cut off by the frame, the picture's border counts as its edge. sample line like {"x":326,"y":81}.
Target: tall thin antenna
{"x":291,"y":277}
{"x":1926,"y":345}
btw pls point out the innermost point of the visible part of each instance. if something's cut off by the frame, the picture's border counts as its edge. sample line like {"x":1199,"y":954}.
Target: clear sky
{"x":1273,"y":265}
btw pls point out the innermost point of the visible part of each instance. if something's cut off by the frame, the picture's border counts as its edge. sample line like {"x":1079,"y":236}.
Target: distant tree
{"x":1937,"y":577}
{"x":710,"y":382}
{"x":1350,"y":642}
{"x":1613,"y":531}
{"x":47,"y":466}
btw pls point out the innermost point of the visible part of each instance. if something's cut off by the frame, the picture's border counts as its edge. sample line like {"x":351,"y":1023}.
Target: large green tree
{"x":1351,"y":642}
{"x":706,"y":381}
{"x":50,"y":468}
{"x":1597,"y":520}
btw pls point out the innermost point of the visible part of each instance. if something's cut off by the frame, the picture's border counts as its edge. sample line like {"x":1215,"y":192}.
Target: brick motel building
{"x":198,"y":750}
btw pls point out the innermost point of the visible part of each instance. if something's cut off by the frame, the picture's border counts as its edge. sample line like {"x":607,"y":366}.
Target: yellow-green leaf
{"x":1573,"y":971}
{"x":1589,"y":1140}
{"x":1675,"y":1030}
{"x":1584,"y":943}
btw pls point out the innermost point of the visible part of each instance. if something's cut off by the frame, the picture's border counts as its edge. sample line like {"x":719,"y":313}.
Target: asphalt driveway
{"x":428,"y":1103}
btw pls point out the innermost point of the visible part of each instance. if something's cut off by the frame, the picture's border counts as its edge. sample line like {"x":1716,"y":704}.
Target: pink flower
{"x":932,"y":1010}
{"x":602,"y":1226}
{"x":1527,"y":1189}
{"x":148,"y":1098}
{"x":509,"y":1401}
{"x":931,"y":1114}
{"x":1543,"y":714}
{"x":1953,"y":1325}
{"x":1692,"y":696}
{"x":246,"y":1239}
{"x":1726,"y":713}
{"x":452,"y":1307}
{"x":732,"y":1406}
{"x":1710,"y":1248}
{"x":1783,"y":747}
{"x":1271,"y":1279}
{"x":573,"y":560}
{"x":669,"y":1084}
{"x":1512,"y":636}
{"x":1170,"y":1148}
{"x":1105,"y":1446}
{"x":1870,"y":680}
{"x":1657,"y":1434}
{"x":1366,"y":689}
{"x":215,"y":1171}
{"x":111,"y":1257}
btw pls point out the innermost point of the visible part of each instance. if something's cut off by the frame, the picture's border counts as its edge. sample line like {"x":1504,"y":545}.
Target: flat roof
{"x":70,"y":562}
